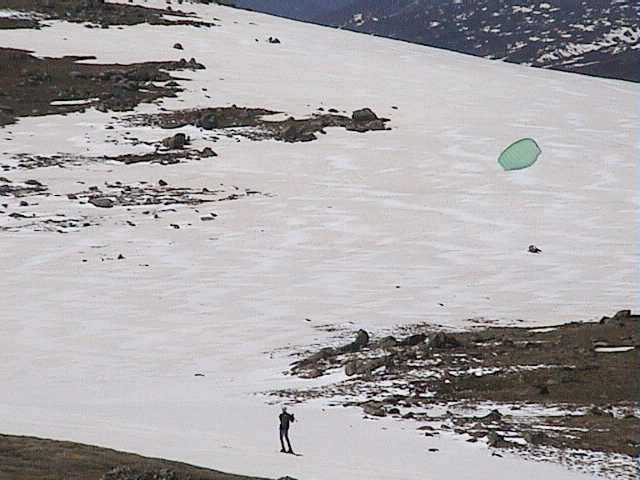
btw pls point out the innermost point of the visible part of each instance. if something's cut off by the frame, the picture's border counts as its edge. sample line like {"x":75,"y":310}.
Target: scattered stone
{"x":120,"y":256}
{"x":17,"y":215}
{"x":34,"y":183}
{"x":273,"y":40}
{"x":534,"y":249}
{"x":162,"y":183}
{"x":178,"y":46}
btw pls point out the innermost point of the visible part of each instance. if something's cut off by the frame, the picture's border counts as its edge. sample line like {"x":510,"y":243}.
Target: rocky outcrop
{"x":127,"y":473}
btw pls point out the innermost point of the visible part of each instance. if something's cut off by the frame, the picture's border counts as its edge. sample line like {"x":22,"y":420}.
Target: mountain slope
{"x":591,"y":37}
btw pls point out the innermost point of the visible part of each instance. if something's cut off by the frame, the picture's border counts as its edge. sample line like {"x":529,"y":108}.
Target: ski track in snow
{"x":105,"y":352}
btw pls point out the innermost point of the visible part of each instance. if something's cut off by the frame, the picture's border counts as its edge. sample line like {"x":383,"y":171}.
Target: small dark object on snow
{"x":162,"y":183}
{"x":534,"y":249}
{"x":274,"y":40}
{"x":120,"y":256}
{"x":178,"y":46}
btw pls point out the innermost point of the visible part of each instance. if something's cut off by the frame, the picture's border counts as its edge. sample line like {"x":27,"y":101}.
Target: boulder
{"x":192,"y":63}
{"x":363,"y":367}
{"x":496,"y":440}
{"x":361,"y":341}
{"x":178,"y":46}
{"x":442,"y":340}
{"x":387,"y":342}
{"x":353,"y":367}
{"x":534,"y":438}
{"x":374,"y":409}
{"x":413,"y":340}
{"x":293,"y":133}
{"x":208,"y":121}
{"x":33,"y":183}
{"x":323,"y":354}
{"x":622,"y":314}
{"x":175,"y":142}
{"x":363,"y":115}
{"x":101,"y":202}
{"x":208,"y":152}
{"x":493,"y":416}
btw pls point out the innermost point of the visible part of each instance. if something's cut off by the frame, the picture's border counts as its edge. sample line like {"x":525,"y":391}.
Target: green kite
{"x":520,"y":154}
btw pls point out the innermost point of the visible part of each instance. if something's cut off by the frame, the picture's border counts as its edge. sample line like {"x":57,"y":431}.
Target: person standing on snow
{"x":286,"y":419}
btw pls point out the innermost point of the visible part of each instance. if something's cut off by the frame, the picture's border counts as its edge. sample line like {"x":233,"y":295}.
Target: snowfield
{"x":105,"y":352}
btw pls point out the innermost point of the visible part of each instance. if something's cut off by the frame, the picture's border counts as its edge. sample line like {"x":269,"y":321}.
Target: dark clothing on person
{"x":285,"y":420}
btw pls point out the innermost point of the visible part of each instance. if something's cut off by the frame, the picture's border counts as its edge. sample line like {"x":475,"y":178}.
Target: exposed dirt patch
{"x":20,"y":189}
{"x":145,"y":194}
{"x":15,"y":23}
{"x":566,"y":388}
{"x":250,"y":122}
{"x":31,"y":86}
{"x":27,"y":458}
{"x":155,"y":201}
{"x":98,"y":13}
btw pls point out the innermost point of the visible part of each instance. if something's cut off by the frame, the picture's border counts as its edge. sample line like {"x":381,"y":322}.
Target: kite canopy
{"x":519,"y":155}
